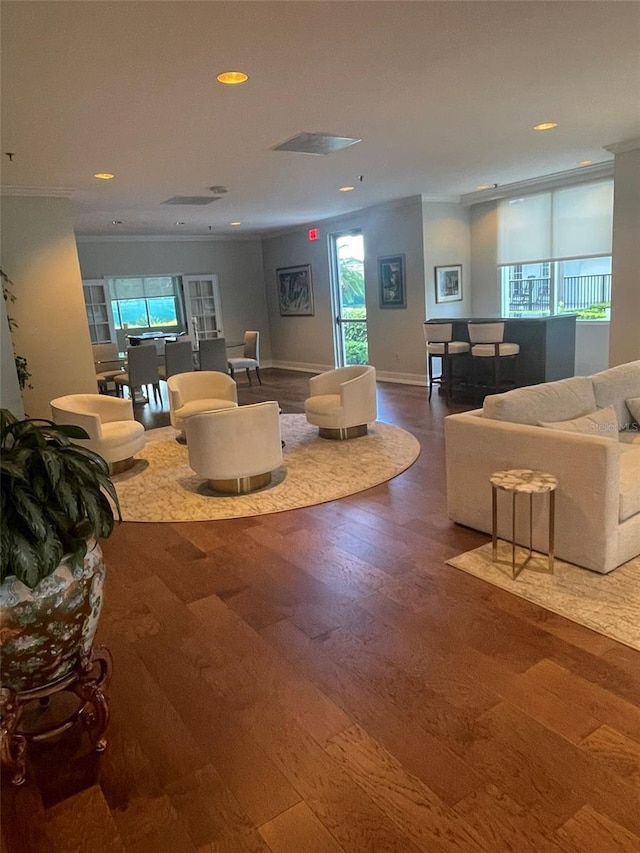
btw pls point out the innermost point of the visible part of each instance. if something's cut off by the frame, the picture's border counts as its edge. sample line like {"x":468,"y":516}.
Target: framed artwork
{"x":295,"y":291}
{"x":393,"y":292}
{"x":449,"y":283}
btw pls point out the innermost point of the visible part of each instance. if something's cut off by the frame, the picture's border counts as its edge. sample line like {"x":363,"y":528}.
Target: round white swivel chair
{"x":235,"y":449}
{"x":199,"y":391}
{"x":113,"y":432}
{"x":343,"y":401}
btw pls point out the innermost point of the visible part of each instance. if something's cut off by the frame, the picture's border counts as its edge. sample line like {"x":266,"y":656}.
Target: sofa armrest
{"x":587,"y":468}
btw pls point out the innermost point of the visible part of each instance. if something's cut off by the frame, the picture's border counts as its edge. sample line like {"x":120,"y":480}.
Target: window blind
{"x":573,"y":222}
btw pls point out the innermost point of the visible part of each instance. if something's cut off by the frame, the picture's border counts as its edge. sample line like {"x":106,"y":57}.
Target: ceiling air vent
{"x":316,"y":143}
{"x":191,"y":199}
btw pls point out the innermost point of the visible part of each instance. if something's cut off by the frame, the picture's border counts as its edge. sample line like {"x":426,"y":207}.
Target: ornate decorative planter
{"x":46,"y":640}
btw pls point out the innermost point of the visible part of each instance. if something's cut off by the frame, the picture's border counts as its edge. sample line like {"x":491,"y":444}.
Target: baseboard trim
{"x":301,"y":367}
{"x":381,"y":376}
{"x":401,"y":378}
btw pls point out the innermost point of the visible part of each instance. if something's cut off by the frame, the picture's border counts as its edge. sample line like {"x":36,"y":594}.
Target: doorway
{"x":349,"y":299}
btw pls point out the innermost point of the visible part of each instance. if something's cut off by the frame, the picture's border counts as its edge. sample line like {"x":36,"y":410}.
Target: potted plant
{"x":57,"y":500}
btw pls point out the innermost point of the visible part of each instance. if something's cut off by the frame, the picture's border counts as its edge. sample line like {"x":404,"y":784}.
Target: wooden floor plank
{"x":592,"y":832}
{"x":300,"y":830}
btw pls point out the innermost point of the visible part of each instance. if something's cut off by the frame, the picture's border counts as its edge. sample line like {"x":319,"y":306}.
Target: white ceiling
{"x":444,"y":96}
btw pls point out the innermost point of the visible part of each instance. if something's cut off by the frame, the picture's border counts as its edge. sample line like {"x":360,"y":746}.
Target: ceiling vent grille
{"x":316,"y":143}
{"x":191,"y":199}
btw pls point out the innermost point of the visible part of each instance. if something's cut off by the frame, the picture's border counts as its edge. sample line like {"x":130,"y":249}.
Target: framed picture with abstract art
{"x":449,"y":283}
{"x":295,"y":291}
{"x":392,"y":284}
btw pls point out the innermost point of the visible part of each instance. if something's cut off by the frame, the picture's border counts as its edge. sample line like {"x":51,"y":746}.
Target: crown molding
{"x":41,"y":192}
{"x":163,"y":238}
{"x":582,"y":175}
{"x":623,"y":147}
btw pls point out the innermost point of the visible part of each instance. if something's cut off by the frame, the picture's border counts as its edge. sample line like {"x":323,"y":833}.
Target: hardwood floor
{"x":318,"y":680}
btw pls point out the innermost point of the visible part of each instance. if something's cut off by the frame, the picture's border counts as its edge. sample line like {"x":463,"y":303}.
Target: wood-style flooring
{"x":318,"y":680}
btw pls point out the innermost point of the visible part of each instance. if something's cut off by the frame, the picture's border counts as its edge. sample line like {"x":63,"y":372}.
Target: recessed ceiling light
{"x":103,"y":176}
{"x":235,"y":223}
{"x":232,"y":78}
{"x":346,"y":189}
{"x":546,"y":125}
{"x":116,"y":221}
{"x":180,"y":223}
{"x":483,"y":186}
{"x":585,"y":163}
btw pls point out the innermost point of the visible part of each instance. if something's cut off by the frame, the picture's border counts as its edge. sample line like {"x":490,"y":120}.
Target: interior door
{"x":203,"y":307}
{"x":349,"y":298}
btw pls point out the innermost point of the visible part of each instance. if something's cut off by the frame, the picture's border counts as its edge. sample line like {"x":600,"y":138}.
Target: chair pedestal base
{"x":240,"y":485}
{"x":343,"y":433}
{"x":121,"y":465}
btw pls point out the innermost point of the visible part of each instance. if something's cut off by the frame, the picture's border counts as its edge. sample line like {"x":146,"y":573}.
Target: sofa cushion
{"x":613,"y":386}
{"x":551,"y":401}
{"x":633,"y":404}
{"x":629,"y":481}
{"x":603,"y":423}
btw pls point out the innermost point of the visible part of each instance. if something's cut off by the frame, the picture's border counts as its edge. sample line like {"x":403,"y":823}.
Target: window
{"x":554,"y":252}
{"x":145,"y":303}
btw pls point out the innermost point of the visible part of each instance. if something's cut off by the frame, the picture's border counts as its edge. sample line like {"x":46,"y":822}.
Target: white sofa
{"x":581,"y":430}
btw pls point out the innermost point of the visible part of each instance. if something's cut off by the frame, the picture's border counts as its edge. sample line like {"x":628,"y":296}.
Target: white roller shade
{"x":575,"y":222}
{"x":524,"y":229}
{"x":583,"y":220}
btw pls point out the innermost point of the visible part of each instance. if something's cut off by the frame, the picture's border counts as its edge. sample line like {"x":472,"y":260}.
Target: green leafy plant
{"x":21,"y":362}
{"x":55,"y":495}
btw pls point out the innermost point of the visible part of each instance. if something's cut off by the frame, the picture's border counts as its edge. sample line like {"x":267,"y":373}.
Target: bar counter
{"x":547,"y":345}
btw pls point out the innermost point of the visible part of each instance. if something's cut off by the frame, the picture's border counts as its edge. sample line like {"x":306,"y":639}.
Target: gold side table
{"x":522,"y":481}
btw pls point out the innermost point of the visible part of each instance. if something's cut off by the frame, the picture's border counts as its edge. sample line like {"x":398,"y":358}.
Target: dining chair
{"x":250,"y":357}
{"x":178,"y":358}
{"x":142,"y":369}
{"x":107,"y":363}
{"x":213,"y":355}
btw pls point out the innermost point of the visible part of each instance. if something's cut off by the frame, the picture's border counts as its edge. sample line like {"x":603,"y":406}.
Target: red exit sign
{"x":313,"y":234}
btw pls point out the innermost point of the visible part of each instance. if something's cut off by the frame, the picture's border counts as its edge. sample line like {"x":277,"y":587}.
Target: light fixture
{"x":346,"y":189}
{"x":235,"y":223}
{"x":103,"y":176}
{"x":585,"y":163}
{"x":180,"y":223}
{"x":116,"y":221}
{"x":232,"y":78}
{"x":546,"y":125}
{"x":483,"y":186}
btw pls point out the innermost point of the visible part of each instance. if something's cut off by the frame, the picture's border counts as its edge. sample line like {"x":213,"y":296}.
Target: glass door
{"x":349,"y":300}
{"x":202,"y":304}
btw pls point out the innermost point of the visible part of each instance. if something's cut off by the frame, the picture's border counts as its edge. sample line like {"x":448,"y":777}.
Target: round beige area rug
{"x":162,"y":487}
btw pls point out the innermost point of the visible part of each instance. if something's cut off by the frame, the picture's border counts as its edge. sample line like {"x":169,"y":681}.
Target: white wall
{"x":624,"y":341}
{"x":396,"y":343}
{"x":485,"y":295}
{"x":238,"y":264}
{"x":446,"y":237}
{"x":39,"y":255}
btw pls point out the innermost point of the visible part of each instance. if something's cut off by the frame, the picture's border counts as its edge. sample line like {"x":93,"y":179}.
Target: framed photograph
{"x":449,"y":283}
{"x":393,"y":292}
{"x":295,"y":291}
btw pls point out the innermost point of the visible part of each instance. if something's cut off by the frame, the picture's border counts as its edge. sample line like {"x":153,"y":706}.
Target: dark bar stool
{"x":438,"y":343}
{"x":488,"y":348}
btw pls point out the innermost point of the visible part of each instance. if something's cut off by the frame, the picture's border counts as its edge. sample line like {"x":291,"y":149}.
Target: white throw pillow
{"x":602,"y":422}
{"x":633,"y":404}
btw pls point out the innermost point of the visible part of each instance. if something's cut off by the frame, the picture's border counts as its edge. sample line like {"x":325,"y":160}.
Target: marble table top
{"x":524,"y":480}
